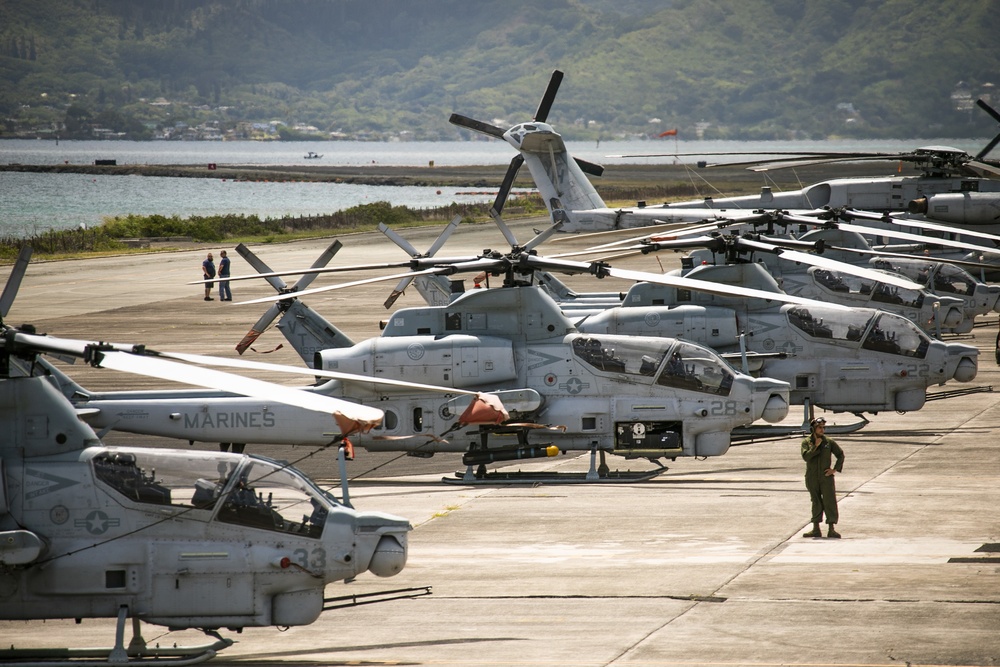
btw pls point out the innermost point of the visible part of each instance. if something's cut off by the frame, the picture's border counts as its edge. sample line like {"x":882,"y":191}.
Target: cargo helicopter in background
{"x":636,"y":397}
{"x":950,"y":188}
{"x":182,"y":539}
{"x":824,"y":352}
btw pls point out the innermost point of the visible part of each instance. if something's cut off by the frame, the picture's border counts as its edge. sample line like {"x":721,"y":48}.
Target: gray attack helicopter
{"x":947,"y":298}
{"x":823,"y":351}
{"x":181,"y":539}
{"x":637,"y":397}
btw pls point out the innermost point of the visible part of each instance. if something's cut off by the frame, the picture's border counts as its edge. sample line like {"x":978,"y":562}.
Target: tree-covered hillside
{"x":748,"y":69}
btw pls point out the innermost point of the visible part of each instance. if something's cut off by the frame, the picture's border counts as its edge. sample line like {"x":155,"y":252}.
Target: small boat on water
{"x":312,"y":156}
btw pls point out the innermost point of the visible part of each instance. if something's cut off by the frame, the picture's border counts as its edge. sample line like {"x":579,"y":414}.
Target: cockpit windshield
{"x":695,"y":368}
{"x":689,"y":366}
{"x":243,"y":490}
{"x":888,"y":332}
{"x":877,"y":292}
{"x":896,"y":335}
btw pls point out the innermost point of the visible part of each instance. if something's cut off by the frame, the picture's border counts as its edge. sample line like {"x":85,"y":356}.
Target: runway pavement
{"x":705,"y":565}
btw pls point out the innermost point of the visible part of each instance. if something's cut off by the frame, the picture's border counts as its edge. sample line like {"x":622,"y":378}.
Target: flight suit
{"x":822,"y":489}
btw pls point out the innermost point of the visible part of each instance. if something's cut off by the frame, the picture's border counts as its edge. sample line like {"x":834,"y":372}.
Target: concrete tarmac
{"x":704,"y":565}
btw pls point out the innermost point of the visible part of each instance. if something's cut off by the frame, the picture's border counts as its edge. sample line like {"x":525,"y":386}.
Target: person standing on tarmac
{"x":818,"y":452}
{"x":208,"y":272}
{"x":225,"y":294}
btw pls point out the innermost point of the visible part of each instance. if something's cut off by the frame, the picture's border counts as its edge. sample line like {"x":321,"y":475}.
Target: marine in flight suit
{"x":818,"y":452}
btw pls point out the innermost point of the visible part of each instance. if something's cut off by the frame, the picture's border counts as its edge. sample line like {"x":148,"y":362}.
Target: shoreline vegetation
{"x":622,"y":185}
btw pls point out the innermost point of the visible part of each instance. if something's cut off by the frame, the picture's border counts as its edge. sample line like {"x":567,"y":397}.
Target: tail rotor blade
{"x":476,"y":125}
{"x":14,"y":280}
{"x":545,"y":104}
{"x":444,"y":236}
{"x":507,"y":184}
{"x":320,"y":263}
{"x":504,"y":229}
{"x":260,"y":327}
{"x":258,"y":264}
{"x":590,"y":167}
{"x":996,"y":116}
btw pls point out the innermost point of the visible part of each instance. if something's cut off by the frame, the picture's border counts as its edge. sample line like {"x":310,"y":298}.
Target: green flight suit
{"x":822,"y":489}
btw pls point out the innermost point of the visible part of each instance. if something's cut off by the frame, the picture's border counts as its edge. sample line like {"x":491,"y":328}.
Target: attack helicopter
{"x":824,"y":352}
{"x":182,"y":539}
{"x":946,"y":298}
{"x":604,"y":394}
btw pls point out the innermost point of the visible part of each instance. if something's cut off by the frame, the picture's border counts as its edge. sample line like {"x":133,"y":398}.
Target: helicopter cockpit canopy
{"x":940,"y":278}
{"x":684,"y":365}
{"x":875,"y":330}
{"x":244,"y":490}
{"x":837,"y":281}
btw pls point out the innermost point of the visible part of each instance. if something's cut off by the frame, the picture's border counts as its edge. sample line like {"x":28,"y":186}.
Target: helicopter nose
{"x":775,"y":410}
{"x":953,"y":317}
{"x":994,"y":298}
{"x":966,"y":370}
{"x":389,"y":557}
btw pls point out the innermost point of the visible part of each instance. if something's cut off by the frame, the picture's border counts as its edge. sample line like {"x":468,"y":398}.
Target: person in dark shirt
{"x":225,"y":294}
{"x":208,"y":272}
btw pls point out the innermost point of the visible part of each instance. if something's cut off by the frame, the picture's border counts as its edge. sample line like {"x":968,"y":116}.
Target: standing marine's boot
{"x":831,"y":532}
{"x":815,"y":532}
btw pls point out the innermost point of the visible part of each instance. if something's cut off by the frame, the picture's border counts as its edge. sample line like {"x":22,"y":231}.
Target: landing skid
{"x":136,"y":653}
{"x":596,"y":475}
{"x":752,"y":432}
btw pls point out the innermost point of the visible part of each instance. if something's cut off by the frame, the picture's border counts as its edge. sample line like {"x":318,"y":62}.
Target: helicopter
{"x":824,"y":352}
{"x":946,"y":299}
{"x":949,"y":189}
{"x":182,"y":539}
{"x":603,"y":394}
{"x":562,"y":180}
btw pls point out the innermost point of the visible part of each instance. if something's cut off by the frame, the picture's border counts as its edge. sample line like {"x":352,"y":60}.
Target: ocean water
{"x":34,"y":203}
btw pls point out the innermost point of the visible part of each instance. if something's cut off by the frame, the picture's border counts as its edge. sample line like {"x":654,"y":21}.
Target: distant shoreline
{"x":482,"y":176}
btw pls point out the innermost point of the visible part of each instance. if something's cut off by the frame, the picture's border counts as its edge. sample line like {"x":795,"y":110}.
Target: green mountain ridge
{"x":731,"y":69}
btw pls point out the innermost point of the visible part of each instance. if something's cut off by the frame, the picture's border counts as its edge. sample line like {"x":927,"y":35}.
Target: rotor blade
{"x":476,"y":125}
{"x":906,"y":236}
{"x":14,"y":280}
{"x":996,"y":116}
{"x":545,"y":104}
{"x":676,"y":234}
{"x":262,"y":269}
{"x":320,"y":263}
{"x":832,"y":264}
{"x":507,"y":184}
{"x":258,"y":328}
{"x":476,"y":263}
{"x":674,"y":281}
{"x":543,"y":235}
{"x":312,"y":372}
{"x":903,"y":255}
{"x":591,"y":168}
{"x":331,"y":269}
{"x":985,"y":166}
{"x":444,"y":236}
{"x":504,"y":229}
{"x":408,"y":249}
{"x":365,"y":417}
{"x":920,"y":224}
